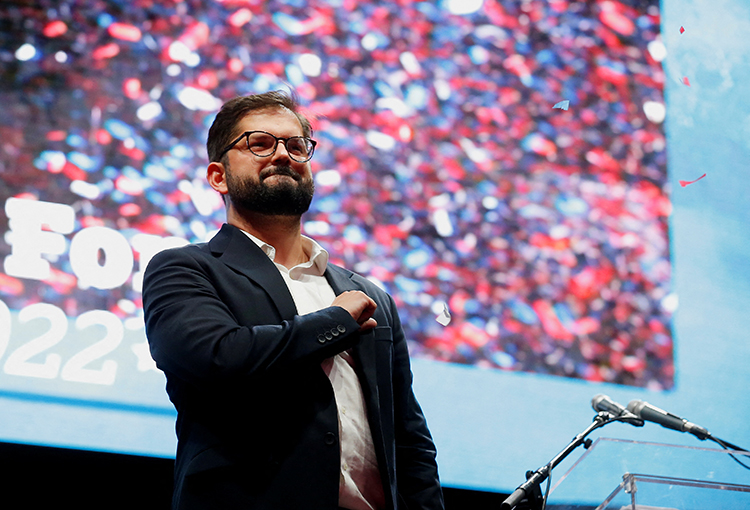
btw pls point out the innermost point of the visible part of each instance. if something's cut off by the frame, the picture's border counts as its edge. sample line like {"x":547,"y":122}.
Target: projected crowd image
{"x":443,"y":171}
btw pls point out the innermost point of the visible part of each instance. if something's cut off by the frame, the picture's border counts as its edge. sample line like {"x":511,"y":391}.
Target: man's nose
{"x":281,"y":151}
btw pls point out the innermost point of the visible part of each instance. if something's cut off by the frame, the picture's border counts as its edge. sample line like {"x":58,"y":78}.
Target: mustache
{"x":280,"y":170}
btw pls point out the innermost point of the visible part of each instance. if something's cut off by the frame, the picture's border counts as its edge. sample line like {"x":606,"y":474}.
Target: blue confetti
{"x":118,"y":129}
{"x":523,"y":312}
{"x":288,"y":24}
{"x":503,"y":359}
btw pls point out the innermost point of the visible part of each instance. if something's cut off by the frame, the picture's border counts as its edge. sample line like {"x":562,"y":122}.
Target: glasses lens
{"x":261,"y":144}
{"x":299,"y":146}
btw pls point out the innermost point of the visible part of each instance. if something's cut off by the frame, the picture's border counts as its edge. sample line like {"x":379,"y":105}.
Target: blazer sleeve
{"x":194,"y":335}
{"x":416,"y":465}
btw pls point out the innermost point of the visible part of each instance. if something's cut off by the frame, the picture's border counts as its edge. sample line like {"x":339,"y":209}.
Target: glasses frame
{"x":246,"y":136}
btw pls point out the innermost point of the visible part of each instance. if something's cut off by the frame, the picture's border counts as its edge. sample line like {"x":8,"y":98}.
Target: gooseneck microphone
{"x":602,"y":403}
{"x":647,"y":412}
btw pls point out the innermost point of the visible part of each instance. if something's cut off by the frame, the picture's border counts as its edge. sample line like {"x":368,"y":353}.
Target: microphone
{"x":602,"y":403}
{"x":646,"y":411}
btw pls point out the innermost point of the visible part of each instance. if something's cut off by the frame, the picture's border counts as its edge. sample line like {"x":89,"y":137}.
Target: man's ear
{"x":216,"y":176}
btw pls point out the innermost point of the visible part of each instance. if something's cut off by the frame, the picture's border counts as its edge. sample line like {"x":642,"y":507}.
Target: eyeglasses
{"x":262,"y":144}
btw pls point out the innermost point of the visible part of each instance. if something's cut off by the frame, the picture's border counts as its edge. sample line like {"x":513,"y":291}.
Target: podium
{"x":617,"y":474}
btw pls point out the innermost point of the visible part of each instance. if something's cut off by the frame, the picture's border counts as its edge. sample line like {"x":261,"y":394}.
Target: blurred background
{"x":528,"y":166}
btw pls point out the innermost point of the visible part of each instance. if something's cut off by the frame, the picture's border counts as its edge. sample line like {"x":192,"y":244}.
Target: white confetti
{"x":444,"y":318}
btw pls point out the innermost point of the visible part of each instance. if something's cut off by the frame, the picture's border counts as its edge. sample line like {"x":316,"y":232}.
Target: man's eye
{"x":296,"y":146}
{"x":261,"y":143}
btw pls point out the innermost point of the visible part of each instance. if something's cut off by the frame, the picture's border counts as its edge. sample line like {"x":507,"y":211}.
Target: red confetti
{"x":633,"y":364}
{"x":125,"y":32}
{"x":73,"y":172}
{"x":550,"y":322}
{"x":685,"y":183}
{"x":239,"y":18}
{"x":269,"y":68}
{"x":91,"y":221}
{"x":473,"y":335}
{"x":617,"y":21}
{"x":56,"y":136}
{"x":682,"y":30}
{"x":132,"y":88}
{"x":587,"y":325}
{"x":60,"y":281}
{"x":686,"y":81}
{"x":307,"y":91}
{"x":106,"y":51}
{"x":208,"y":80}
{"x":235,"y":65}
{"x":10,"y":285}
{"x":195,"y":36}
{"x":103,"y":137}
{"x":55,"y":28}
{"x":130,"y":209}
{"x":133,"y":153}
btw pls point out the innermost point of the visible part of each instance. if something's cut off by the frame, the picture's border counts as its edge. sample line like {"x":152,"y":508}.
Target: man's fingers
{"x":357,"y":303}
{"x":368,"y":324}
{"x":368,"y":311}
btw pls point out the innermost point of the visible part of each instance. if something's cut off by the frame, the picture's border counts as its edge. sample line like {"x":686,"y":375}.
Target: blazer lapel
{"x":340,"y":279}
{"x":240,"y":253}
{"x":364,"y":350}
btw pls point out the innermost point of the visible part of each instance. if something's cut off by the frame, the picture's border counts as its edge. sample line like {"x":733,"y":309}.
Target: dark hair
{"x":224,"y":128}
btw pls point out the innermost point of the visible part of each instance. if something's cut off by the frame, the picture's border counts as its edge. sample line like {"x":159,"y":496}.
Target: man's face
{"x":273,"y":185}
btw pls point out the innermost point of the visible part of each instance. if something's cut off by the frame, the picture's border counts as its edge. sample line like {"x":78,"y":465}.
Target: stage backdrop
{"x":531,"y":170}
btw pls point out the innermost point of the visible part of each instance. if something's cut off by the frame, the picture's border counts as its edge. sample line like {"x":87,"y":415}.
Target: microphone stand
{"x":530,"y":489}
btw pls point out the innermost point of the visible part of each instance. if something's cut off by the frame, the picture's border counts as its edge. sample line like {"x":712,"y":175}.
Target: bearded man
{"x":290,"y":375}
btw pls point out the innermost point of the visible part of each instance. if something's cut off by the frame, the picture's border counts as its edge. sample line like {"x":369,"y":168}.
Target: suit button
{"x":330,"y":438}
{"x":321,"y":339}
{"x":341,"y":328}
{"x":329,"y":336}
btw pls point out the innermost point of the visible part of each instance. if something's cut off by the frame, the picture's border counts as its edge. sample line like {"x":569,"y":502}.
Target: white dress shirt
{"x":360,"y":486}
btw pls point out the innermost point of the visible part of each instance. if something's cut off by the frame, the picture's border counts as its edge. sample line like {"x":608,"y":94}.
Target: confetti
{"x":125,"y":32}
{"x":129,"y":178}
{"x":686,"y":81}
{"x":240,"y":17}
{"x":685,"y":183}
{"x":104,"y":52}
{"x":55,"y":28}
{"x":444,"y":318}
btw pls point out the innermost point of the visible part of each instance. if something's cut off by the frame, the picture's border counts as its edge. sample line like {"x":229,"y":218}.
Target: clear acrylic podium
{"x":616,"y":474}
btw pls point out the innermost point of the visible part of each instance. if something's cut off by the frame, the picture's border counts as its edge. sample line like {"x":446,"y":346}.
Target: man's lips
{"x":282,"y":172}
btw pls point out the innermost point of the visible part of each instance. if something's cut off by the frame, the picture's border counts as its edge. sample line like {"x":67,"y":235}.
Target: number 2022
{"x":75,"y":369}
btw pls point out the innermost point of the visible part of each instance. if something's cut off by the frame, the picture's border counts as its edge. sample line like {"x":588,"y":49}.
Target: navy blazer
{"x":257,"y":424}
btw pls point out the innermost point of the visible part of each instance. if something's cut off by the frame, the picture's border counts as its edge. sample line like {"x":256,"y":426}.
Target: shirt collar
{"x":318,"y":256}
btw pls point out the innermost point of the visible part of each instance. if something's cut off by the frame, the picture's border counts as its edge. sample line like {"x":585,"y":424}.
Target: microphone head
{"x":636,"y":406}
{"x":597,"y":400}
{"x":602,"y":403}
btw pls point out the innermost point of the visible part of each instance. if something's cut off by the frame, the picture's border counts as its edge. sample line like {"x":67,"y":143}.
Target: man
{"x":290,"y":375}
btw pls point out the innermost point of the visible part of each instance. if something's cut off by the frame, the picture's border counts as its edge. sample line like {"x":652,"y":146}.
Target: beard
{"x":283,"y":198}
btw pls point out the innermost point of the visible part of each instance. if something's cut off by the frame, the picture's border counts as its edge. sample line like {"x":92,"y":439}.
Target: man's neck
{"x":281,"y":232}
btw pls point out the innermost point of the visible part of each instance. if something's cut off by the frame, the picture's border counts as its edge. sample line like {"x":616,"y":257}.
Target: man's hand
{"x":360,"y":306}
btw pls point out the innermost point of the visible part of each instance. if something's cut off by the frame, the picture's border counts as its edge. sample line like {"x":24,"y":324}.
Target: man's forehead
{"x":272,"y":115}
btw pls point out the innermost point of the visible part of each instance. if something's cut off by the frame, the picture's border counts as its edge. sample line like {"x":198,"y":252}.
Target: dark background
{"x":63,"y":478}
